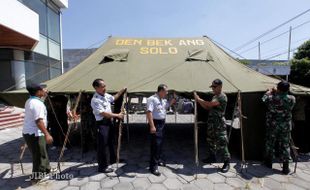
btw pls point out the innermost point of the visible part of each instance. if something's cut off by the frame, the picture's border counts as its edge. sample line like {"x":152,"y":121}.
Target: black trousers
{"x":40,"y":161}
{"x":105,"y":142}
{"x":157,"y":144}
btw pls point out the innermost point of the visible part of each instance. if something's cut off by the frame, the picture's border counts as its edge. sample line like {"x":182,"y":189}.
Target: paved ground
{"x":179,"y":173}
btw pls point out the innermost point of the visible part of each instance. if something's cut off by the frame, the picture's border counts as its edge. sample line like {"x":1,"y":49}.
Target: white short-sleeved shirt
{"x":101,"y":104}
{"x":157,"y":106}
{"x":34,"y":110}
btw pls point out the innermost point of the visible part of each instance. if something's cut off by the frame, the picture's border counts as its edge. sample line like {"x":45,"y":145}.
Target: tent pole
{"x":120,"y":127}
{"x":243,"y":162}
{"x":196,"y":140}
{"x":127,"y":116}
{"x":68,"y":132}
{"x":81,"y":129}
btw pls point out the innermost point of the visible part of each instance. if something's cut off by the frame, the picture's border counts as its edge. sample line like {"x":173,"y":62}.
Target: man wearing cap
{"x":216,"y":129}
{"x":35,"y":132}
{"x":278,"y":123}
{"x":101,"y":105}
{"x":156,"y":109}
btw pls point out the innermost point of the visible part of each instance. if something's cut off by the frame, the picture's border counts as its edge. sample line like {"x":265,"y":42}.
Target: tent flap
{"x":115,"y":55}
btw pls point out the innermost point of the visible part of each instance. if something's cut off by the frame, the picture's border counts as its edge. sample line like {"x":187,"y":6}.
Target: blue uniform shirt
{"x":101,"y":104}
{"x":157,"y":106}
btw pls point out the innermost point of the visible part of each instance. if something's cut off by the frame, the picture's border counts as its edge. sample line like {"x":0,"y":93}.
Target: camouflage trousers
{"x":281,"y":134}
{"x":217,"y":141}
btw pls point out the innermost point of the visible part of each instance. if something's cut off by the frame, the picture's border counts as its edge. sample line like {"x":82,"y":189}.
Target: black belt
{"x":104,"y":122}
{"x":159,"y":121}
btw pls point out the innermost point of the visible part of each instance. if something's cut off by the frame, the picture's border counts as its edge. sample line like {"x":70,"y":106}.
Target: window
{"x":55,"y":68}
{"x":54,"y":49}
{"x":40,"y":8}
{"x":41,"y":46}
{"x":53,"y":25}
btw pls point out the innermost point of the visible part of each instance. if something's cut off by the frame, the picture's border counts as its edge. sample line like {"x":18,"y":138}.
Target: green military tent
{"x":184,"y":64}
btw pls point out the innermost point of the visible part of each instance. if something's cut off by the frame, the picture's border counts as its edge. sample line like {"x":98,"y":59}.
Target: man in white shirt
{"x":35,"y":132}
{"x":101,"y":105}
{"x":157,"y":106}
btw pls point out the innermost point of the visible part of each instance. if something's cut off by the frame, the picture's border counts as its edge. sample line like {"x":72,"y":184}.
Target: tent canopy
{"x":140,"y":64}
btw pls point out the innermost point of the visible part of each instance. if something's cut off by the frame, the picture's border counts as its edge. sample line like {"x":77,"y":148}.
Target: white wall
{"x":61,"y":3}
{"x":18,"y":17}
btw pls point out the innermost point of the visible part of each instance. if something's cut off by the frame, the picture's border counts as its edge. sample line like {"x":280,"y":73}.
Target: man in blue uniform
{"x":157,"y":106}
{"x":101,"y":105}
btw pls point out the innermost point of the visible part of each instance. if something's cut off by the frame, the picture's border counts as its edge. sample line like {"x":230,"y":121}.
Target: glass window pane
{"x":37,"y":69}
{"x":41,"y":46}
{"x":55,"y":68}
{"x":53,"y":25}
{"x":40,"y":8}
{"x":54,"y":49}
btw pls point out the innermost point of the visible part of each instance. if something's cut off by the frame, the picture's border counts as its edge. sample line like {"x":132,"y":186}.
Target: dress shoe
{"x":107,"y":170}
{"x":162,"y":163}
{"x":155,"y":172}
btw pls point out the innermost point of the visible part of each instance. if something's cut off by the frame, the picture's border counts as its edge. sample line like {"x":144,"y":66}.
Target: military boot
{"x":286,"y":170}
{"x":226,"y":166}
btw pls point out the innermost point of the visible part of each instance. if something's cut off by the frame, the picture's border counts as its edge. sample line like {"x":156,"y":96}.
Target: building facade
{"x":269,"y":67}
{"x":30,"y":41}
{"x":73,"y":57}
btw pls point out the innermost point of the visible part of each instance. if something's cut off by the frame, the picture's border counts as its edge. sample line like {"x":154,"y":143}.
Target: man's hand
{"x":272,"y":90}
{"x":120,"y":116}
{"x":152,"y":129}
{"x":48,"y":139}
{"x":124,"y":90}
{"x":196,"y":96}
{"x":173,"y":101}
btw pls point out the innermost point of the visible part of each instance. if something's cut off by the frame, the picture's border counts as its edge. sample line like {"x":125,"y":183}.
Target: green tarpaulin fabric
{"x":140,"y":64}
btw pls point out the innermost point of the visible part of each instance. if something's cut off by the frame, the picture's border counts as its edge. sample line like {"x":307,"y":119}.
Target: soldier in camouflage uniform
{"x":217,"y":140}
{"x":278,"y":123}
